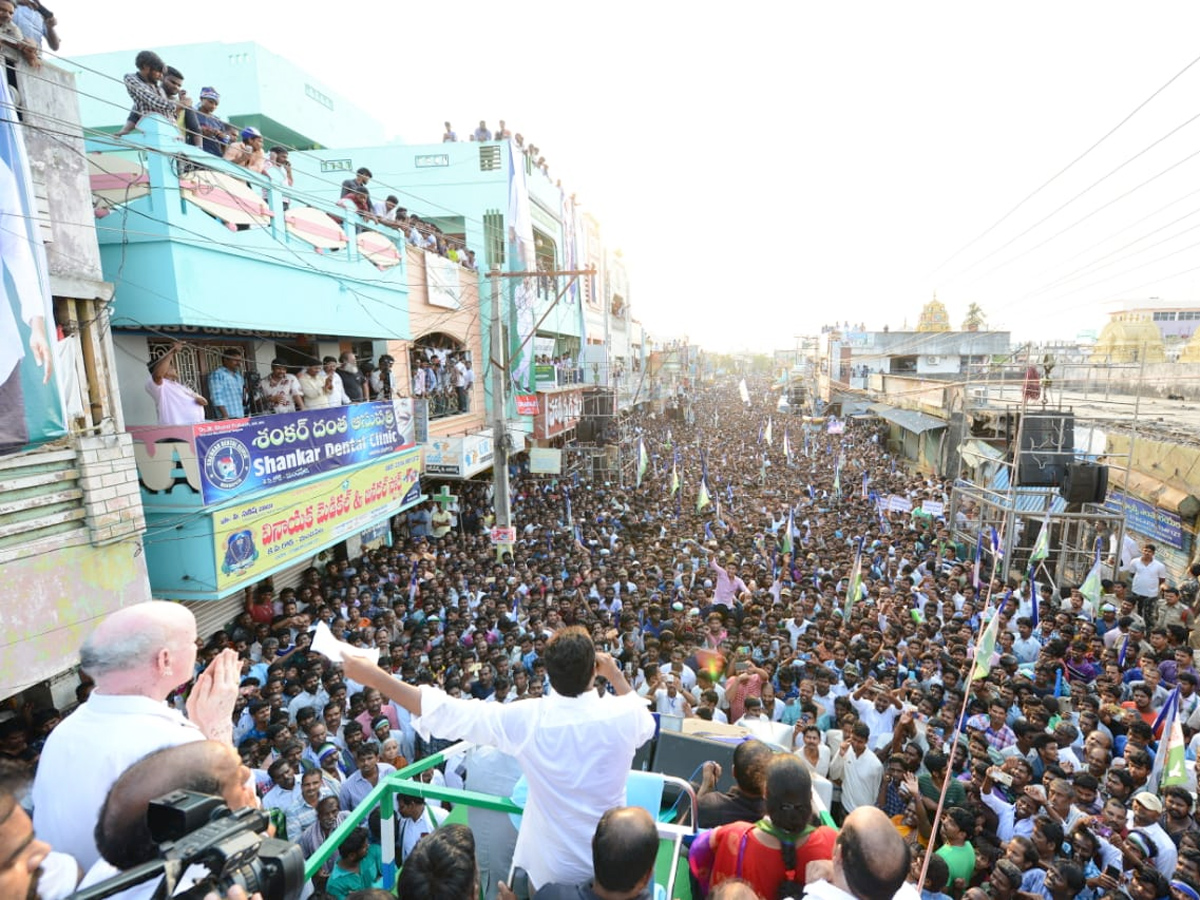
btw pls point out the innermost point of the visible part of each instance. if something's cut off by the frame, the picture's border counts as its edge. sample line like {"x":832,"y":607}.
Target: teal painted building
{"x":220,"y":258}
{"x":472,"y":192}
{"x":288,"y":105}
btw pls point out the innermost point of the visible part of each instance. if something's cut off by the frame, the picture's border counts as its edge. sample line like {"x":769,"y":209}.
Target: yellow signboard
{"x":257,"y":536}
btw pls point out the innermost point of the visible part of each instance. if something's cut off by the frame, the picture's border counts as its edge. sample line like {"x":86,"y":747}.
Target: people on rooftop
{"x":37,"y":23}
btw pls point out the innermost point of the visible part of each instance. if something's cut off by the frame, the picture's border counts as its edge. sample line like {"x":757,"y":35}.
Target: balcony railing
{"x":272,"y":239}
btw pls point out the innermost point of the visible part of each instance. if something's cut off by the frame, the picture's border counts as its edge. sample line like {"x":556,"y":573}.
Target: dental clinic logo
{"x":227,"y":463}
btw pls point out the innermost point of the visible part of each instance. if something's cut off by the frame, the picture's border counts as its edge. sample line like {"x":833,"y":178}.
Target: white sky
{"x":767,"y":168}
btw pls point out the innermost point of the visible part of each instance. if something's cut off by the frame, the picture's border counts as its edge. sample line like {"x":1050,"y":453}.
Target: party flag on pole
{"x":674,"y":478}
{"x":643,"y":461}
{"x":1091,"y":587}
{"x":787,"y":448}
{"x":1174,"y":770}
{"x":1162,"y":772}
{"x":702,"y":498}
{"x":865,"y":491}
{"x":788,"y":540}
{"x":853,"y":589}
{"x":986,"y":649}
{"x":1041,"y":547}
{"x":767,"y":433}
{"x":978,"y":562}
{"x":743,"y":392}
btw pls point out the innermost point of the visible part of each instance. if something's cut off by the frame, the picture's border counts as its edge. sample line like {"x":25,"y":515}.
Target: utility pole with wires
{"x":502,"y":442}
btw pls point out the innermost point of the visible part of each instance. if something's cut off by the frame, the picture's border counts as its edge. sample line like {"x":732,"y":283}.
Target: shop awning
{"x":976,"y":453}
{"x":1154,"y":490}
{"x":908,"y":419}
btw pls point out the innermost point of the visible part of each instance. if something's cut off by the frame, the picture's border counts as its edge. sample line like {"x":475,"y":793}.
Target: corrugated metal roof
{"x":1030,"y":499}
{"x":908,"y":419}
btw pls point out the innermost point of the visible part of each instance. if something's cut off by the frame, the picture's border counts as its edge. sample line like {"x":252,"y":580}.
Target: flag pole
{"x":958,"y":723}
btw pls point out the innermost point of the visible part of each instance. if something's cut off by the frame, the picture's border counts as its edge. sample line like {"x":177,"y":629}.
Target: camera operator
{"x":123,"y":833}
{"x":137,"y":656}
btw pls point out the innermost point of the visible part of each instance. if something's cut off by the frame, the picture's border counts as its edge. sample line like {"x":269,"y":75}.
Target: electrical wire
{"x":1066,"y":168}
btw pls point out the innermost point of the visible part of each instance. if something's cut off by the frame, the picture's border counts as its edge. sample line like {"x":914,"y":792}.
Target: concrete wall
{"x":1157,"y":379}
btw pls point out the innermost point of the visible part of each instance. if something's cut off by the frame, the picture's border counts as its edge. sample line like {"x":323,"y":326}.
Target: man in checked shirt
{"x":145,"y":88}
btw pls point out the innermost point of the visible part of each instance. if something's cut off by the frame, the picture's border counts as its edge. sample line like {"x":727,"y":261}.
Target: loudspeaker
{"x":1047,"y":448}
{"x":1085,"y":483}
{"x":682,"y":754}
{"x":585,"y":431}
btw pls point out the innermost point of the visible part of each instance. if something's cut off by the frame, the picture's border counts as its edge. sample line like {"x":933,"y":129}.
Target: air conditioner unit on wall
{"x":933,"y":360}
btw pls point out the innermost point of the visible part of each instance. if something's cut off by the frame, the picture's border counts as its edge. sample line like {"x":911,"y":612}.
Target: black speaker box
{"x":1084,"y":483}
{"x":1047,"y":448}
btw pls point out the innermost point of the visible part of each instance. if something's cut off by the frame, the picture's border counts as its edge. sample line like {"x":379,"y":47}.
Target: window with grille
{"x":489,"y":157}
{"x":493,"y":236}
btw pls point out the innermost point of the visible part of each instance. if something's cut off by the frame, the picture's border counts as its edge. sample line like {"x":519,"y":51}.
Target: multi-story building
{"x":290,"y":106}
{"x":244,"y":272}
{"x":70,"y":510}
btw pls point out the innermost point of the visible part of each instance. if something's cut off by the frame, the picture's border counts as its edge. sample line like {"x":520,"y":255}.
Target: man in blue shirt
{"x":227,"y":386}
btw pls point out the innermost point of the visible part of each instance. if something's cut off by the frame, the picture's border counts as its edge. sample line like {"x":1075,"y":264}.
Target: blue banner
{"x":1147,"y":520}
{"x":239,"y":456}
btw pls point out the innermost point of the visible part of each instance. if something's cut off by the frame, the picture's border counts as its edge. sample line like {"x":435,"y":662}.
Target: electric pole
{"x":498,"y":357}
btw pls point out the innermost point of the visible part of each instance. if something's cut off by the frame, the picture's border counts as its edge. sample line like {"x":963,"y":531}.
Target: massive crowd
{"x":1046,"y":774}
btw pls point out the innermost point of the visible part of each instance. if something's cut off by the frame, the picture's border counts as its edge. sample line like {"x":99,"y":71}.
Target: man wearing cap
{"x":248,"y":152}
{"x":1146,"y":810}
{"x":214,"y":133}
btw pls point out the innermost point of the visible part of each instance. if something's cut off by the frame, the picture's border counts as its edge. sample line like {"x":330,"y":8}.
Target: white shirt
{"x":315,"y":395}
{"x":1146,"y":577}
{"x":86,"y":753}
{"x":823,"y":757}
{"x":860,"y":776}
{"x":1167,"y":853}
{"x":175,"y":403}
{"x":575,"y":752}
{"x":882,"y":724}
{"x":409,"y":832}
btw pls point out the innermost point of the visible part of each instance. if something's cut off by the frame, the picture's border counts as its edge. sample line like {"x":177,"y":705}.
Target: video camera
{"x":194,"y":829}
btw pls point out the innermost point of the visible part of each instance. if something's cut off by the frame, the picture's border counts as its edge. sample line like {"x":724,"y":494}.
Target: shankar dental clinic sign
{"x":244,"y":455}
{"x":557,"y":412}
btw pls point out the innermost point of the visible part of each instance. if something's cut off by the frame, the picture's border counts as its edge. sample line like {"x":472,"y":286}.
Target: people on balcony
{"x":281,"y":391}
{"x":322,"y":386}
{"x":37,"y":23}
{"x":382,"y":380}
{"x":186,"y":119}
{"x":482,"y":133}
{"x":449,"y":137}
{"x":215,"y":133}
{"x":227,"y":386}
{"x":145,"y":87}
{"x":353,"y":382}
{"x":14,"y":44}
{"x":279,"y":166}
{"x":174,"y":403}
{"x":248,"y":152}
{"x":356,"y":192}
